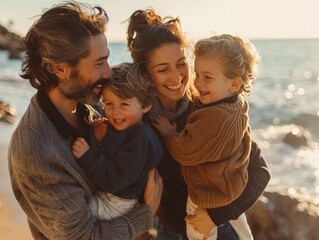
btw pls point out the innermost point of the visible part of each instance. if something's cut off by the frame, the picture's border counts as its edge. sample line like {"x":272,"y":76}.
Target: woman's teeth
{"x":174,"y":87}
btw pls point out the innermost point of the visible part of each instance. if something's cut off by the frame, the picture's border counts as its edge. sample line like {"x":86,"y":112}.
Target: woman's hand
{"x":162,"y":124}
{"x":79,"y":147}
{"x":153,"y":190}
{"x":201,"y":221}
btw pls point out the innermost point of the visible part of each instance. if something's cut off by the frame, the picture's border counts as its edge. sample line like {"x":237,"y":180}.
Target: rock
{"x":308,"y":121}
{"x":11,"y":42}
{"x":286,"y":214}
{"x":298,"y":137}
{"x":14,"y":54}
{"x":7,"y":112}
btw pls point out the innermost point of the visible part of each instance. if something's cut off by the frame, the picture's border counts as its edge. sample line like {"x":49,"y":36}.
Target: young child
{"x":128,"y":148}
{"x":214,"y":146}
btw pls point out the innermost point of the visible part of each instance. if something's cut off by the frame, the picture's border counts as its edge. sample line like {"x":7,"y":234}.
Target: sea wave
{"x":7,"y":74}
{"x":286,"y":161}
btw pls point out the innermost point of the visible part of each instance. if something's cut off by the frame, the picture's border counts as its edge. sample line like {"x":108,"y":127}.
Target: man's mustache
{"x":99,"y":83}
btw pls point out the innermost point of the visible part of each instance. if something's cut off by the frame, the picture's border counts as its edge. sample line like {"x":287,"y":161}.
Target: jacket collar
{"x":231,"y":99}
{"x":60,"y":123}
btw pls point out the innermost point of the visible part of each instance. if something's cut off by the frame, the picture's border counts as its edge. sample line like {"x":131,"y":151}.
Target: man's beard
{"x":72,"y":89}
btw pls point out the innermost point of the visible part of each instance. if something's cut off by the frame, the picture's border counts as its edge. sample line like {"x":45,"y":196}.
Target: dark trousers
{"x":224,"y":232}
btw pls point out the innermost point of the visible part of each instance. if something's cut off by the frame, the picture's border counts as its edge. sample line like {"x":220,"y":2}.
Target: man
{"x":66,"y":61}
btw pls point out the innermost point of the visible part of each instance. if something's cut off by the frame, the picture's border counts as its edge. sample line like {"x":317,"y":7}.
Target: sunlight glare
{"x":307,"y":74}
{"x":276,"y":120}
{"x":292,"y":87}
{"x":301,"y":91}
{"x":289,"y":95}
{"x":295,"y":73}
{"x":295,"y":131}
{"x":278,"y":87}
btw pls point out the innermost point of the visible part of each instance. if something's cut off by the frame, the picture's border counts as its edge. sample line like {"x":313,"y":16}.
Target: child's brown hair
{"x":128,"y":82}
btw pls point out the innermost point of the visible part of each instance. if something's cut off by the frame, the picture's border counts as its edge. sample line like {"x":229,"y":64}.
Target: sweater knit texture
{"x":124,"y":160}
{"x":171,"y":212}
{"x":213,"y":150}
{"x":53,"y":189}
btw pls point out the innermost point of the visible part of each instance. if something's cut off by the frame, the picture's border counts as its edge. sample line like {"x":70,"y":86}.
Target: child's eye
{"x":125,"y":104}
{"x":108,"y":104}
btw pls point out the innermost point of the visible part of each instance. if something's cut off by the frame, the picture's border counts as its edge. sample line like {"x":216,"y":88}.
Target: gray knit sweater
{"x":53,"y":190}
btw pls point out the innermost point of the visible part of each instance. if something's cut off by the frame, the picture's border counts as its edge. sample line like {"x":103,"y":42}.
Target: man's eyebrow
{"x":102,"y":58}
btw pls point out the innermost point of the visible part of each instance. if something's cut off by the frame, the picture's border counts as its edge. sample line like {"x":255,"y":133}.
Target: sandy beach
{"x":9,"y":227}
{"x":13,"y":223}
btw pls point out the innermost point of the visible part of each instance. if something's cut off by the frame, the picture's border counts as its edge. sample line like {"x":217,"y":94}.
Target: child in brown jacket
{"x":215,"y":144}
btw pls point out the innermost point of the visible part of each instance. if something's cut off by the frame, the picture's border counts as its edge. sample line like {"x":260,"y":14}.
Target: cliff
{"x":11,"y":42}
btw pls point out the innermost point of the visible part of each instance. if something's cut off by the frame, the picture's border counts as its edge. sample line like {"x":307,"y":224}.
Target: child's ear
{"x":236,"y":84}
{"x":147,"y":108}
{"x":60,"y":70}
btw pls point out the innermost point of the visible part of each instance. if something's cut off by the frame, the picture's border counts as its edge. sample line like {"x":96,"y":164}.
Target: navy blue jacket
{"x":125,"y":157}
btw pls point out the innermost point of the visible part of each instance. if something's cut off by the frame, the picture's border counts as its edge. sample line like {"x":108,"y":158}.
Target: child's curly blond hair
{"x":238,"y":56}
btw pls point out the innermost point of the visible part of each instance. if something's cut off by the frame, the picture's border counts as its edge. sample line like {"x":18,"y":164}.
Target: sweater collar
{"x":230,"y":99}
{"x":159,"y":109}
{"x":61,"y":124}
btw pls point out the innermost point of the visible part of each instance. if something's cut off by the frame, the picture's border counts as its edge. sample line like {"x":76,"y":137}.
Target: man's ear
{"x":60,"y":70}
{"x":236,"y":84}
{"x":147,"y":108}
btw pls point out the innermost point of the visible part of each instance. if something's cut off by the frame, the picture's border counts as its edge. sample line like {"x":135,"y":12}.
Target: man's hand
{"x":153,"y":190}
{"x":79,"y":147}
{"x":201,"y":221}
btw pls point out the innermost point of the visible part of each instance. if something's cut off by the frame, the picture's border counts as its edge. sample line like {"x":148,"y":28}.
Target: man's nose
{"x":106,"y":73}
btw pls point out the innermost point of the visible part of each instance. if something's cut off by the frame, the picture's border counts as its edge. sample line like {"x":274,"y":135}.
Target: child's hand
{"x":79,"y":147}
{"x":201,"y":221}
{"x":163,"y":125}
{"x":100,"y":126}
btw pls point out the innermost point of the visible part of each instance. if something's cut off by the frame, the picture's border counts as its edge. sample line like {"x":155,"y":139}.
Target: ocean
{"x":284,"y":96}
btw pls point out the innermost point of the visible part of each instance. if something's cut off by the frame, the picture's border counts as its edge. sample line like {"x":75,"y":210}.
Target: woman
{"x":159,"y":47}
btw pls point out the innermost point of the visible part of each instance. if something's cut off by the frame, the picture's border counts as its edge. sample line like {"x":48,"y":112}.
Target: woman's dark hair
{"x":148,"y":31}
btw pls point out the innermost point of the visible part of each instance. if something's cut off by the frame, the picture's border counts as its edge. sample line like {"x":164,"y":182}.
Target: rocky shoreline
{"x":7,"y":112}
{"x":11,"y":42}
{"x":288,"y":214}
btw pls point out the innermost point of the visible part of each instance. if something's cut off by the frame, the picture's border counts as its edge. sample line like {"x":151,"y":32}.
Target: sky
{"x":254,"y":19}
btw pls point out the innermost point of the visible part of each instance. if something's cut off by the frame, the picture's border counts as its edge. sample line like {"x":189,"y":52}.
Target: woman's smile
{"x":175,"y":87}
